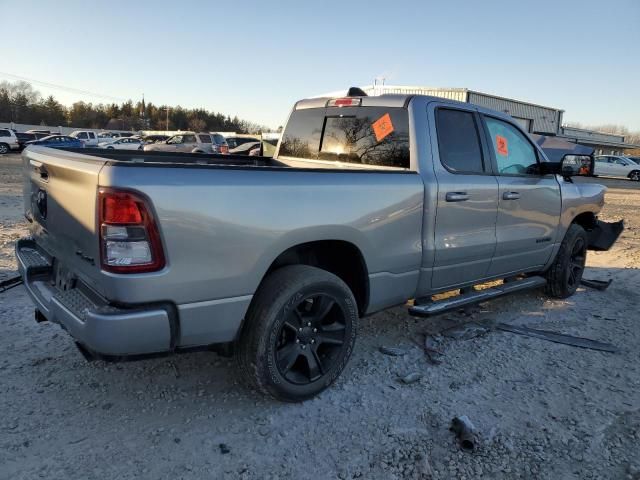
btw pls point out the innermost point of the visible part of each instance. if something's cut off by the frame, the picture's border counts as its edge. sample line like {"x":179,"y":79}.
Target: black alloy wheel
{"x":311,"y":339}
{"x":576,"y":262}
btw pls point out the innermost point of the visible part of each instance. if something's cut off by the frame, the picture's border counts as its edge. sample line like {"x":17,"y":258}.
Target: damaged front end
{"x":604,"y":234}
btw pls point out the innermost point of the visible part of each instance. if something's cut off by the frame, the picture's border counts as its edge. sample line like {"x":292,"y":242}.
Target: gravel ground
{"x":541,"y":409}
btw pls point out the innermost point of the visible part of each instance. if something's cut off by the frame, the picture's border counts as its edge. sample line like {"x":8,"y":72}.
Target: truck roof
{"x":385,"y":100}
{"x":392,"y":100}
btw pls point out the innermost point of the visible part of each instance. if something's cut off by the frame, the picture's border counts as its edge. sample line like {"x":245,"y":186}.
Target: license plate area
{"x":63,"y":279}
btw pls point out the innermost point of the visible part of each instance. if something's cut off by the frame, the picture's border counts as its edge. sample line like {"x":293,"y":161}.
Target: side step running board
{"x":440,"y":306}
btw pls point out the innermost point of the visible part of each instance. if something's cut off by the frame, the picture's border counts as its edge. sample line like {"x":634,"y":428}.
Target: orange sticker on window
{"x":382,"y":127}
{"x":502,"y":146}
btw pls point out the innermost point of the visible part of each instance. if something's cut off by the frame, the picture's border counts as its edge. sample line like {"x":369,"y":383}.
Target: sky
{"x":255,"y":59}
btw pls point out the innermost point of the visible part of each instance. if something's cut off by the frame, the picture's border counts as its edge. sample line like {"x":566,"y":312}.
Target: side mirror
{"x":576,"y":165}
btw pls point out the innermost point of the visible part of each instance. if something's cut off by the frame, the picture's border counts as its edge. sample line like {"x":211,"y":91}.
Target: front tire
{"x":298,"y":334}
{"x":563,"y":278}
{"x":635,"y":176}
{"x":4,"y":148}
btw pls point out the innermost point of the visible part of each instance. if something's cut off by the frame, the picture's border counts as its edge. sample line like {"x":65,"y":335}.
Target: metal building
{"x":603,"y":143}
{"x":533,"y":118}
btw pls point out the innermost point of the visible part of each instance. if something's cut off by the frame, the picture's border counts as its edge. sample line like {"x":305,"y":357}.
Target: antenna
{"x":378,"y":85}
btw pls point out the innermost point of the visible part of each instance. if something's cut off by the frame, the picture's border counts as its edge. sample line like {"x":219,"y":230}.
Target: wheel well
{"x":633,"y":171}
{"x":586,"y":220}
{"x":341,"y":258}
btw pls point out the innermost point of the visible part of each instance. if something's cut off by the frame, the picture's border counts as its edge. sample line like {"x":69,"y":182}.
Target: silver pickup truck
{"x":369,"y":202}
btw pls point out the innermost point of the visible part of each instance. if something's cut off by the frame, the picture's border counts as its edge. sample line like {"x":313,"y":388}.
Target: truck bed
{"x":223,"y":220}
{"x":164,"y":158}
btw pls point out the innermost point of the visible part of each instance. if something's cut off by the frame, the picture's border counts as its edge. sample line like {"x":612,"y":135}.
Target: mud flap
{"x":604,"y":235}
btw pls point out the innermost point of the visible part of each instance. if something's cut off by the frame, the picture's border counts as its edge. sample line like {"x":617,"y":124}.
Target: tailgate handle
{"x":44,"y":175}
{"x":456,"y":196}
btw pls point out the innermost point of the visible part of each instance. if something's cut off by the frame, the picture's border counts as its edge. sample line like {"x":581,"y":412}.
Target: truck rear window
{"x":366,"y":135}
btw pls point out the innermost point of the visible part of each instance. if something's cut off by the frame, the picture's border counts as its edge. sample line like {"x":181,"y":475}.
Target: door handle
{"x":510,"y":196}
{"x":456,"y":196}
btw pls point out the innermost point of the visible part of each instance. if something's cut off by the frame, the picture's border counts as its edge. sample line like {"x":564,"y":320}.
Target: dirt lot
{"x":542,"y":410}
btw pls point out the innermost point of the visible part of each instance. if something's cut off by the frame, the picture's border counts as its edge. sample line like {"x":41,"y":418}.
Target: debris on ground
{"x":392,"y":351}
{"x":596,"y":284}
{"x":465,"y":431}
{"x":559,"y":338}
{"x":411,"y":378}
{"x":10,"y":283}
{"x":431,"y":348}
{"x":466,"y":331}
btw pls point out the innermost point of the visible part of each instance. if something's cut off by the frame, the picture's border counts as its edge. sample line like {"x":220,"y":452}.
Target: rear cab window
{"x":374,"y":136}
{"x":204,"y":138}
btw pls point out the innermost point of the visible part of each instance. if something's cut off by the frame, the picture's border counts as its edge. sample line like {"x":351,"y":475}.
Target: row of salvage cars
{"x":183,"y":142}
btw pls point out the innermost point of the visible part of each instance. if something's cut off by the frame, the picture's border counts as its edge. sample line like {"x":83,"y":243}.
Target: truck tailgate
{"x":60,"y":189}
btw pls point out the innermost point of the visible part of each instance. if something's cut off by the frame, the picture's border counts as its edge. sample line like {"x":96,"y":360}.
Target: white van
{"x":89,"y":138}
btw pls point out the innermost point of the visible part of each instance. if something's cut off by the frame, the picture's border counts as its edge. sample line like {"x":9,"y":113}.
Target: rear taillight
{"x":129,"y":237}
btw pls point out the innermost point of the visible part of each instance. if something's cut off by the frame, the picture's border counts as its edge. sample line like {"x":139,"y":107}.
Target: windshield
{"x":364,"y":135}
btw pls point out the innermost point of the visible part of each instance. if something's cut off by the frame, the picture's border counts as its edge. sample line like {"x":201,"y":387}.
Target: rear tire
{"x":298,"y":334}
{"x":4,"y":148}
{"x":635,"y":176}
{"x":563,"y":278}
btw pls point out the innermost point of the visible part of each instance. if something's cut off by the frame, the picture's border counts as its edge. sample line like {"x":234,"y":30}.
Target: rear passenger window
{"x":459,"y":141}
{"x":4,"y":133}
{"x":82,"y":135}
{"x":204,"y":138}
{"x":515,"y":155}
{"x":188,"y":139}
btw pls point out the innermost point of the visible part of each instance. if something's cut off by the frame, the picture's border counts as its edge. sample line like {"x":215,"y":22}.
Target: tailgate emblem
{"x":41,"y":203}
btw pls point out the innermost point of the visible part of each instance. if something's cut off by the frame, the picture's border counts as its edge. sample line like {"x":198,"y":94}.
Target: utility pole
{"x":167,"y":119}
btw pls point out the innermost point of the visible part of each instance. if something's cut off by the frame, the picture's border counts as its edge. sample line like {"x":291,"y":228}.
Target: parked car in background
{"x":236,"y":141}
{"x":89,"y":138}
{"x":220,"y":144}
{"x":185,"y":142}
{"x":124,"y":143}
{"x":24,"y":137}
{"x":617,"y":166}
{"x":8,"y":141}
{"x":107,"y":136}
{"x":155,"y":138}
{"x":246,"y":148}
{"x":47,"y":132}
{"x":58,"y":141}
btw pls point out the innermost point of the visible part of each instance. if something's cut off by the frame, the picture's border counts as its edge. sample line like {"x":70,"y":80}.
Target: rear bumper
{"x":101,"y":328}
